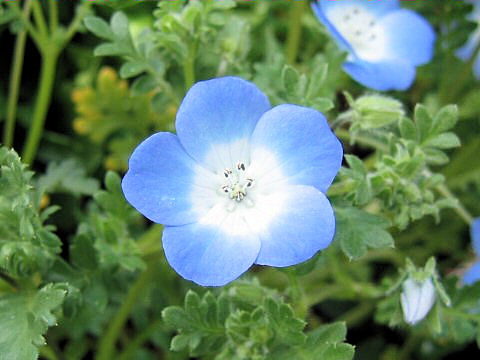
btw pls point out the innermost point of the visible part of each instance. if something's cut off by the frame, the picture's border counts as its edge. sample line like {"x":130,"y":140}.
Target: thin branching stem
{"x":295,"y":29}
{"x":15,"y":77}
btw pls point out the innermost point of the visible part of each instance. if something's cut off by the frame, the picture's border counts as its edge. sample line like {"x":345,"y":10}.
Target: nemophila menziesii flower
{"x":384,"y":42}
{"x":241,"y":183}
{"x":468,"y":49}
{"x":472,"y":275}
{"x":417,"y":299}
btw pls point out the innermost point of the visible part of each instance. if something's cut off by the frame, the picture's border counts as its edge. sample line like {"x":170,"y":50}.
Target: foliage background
{"x":82,"y":273}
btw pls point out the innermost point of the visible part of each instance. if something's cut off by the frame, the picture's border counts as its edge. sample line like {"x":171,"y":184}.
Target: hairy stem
{"x":294,"y":29}
{"x":53,"y":16}
{"x":40,"y":19}
{"x":44,"y":94}
{"x":46,"y":351}
{"x":15,"y":77}
{"x":106,"y":349}
{"x":140,"y":339}
{"x":189,"y":66}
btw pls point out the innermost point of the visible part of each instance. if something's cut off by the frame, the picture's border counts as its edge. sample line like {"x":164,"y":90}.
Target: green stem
{"x":106,"y":348}
{"x":189,"y":66}
{"x":297,"y":294}
{"x":46,"y":351}
{"x":459,"y":209}
{"x":75,"y":24}
{"x":16,"y":74}
{"x":40,"y":19}
{"x":364,"y":140}
{"x":32,"y":31}
{"x":129,"y":351}
{"x":53,"y":16}
{"x":294,"y":29}
{"x":356,"y":315}
{"x":450,"y":90}
{"x":44,"y":94}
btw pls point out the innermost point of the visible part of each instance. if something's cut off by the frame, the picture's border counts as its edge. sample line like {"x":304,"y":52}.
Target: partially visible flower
{"x":472,"y":275}
{"x":384,"y":42}
{"x":240,"y":184}
{"x":417,"y":299}
{"x":467,"y":50}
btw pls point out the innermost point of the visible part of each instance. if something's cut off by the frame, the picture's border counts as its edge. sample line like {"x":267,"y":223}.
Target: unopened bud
{"x":417,"y":299}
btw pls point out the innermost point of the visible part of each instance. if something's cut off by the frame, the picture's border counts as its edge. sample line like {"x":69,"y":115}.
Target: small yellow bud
{"x":111,"y":163}
{"x":80,"y":126}
{"x":107,"y":74}
{"x":44,"y":201}
{"x":82,"y":95}
{"x":171,"y":110}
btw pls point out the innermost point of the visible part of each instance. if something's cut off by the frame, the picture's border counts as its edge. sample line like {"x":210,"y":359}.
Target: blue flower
{"x":241,"y":183}
{"x":472,"y":275}
{"x":384,"y":42}
{"x":467,"y":50}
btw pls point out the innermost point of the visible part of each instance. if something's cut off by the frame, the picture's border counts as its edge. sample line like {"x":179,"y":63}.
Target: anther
{"x":241,"y":166}
{"x":227,"y":172}
{"x":249,"y":182}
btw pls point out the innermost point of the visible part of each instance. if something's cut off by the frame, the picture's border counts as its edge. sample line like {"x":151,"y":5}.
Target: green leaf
{"x":407,"y":129}
{"x":110,"y":49}
{"x":290,"y":78}
{"x":445,"y":119}
{"x":67,"y":177}
{"x":119,"y":25}
{"x":325,"y":342}
{"x":446,"y":140}
{"x":423,"y":122}
{"x":288,"y":328}
{"x":357,"y":230}
{"x":82,"y":253}
{"x":26,"y":244}
{"x":25,"y":318}
{"x":435,"y":156}
{"x":132,"y":68}
{"x":143,"y":85}
{"x":200,"y":324}
{"x":99,"y":27}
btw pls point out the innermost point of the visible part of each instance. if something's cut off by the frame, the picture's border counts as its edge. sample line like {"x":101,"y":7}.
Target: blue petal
{"x":466,"y":51}
{"x":218,"y":111}
{"x":300,"y":138}
{"x":410,"y":36}
{"x":382,"y":76}
{"x":207,"y":253}
{"x":472,"y":275}
{"x":475,"y":235}
{"x":318,"y":9}
{"x":375,"y":7}
{"x":159,"y":181}
{"x":305,"y":225}
{"x":476,"y":67}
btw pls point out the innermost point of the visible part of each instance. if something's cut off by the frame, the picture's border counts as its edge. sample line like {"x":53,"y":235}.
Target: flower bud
{"x":417,"y":299}
{"x":378,"y":110}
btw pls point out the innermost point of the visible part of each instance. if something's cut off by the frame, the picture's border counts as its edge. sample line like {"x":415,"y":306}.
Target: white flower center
{"x":237,"y":182}
{"x":361,"y":30}
{"x":239,"y":196}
